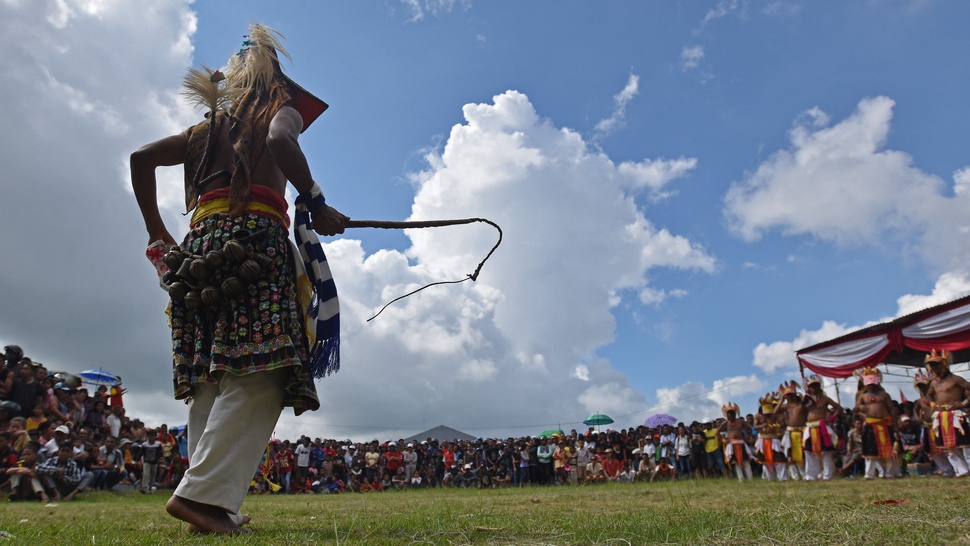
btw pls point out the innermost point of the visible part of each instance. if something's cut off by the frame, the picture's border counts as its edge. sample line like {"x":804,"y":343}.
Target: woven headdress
{"x":944,"y":357}
{"x":768,"y":402}
{"x":922,"y":378}
{"x":789,"y":387}
{"x":812,"y":380}
{"x":730,"y":407}
{"x":869,"y":375}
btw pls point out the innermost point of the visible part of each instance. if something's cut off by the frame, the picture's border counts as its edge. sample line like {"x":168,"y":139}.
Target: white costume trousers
{"x":812,"y":464}
{"x":230,"y":423}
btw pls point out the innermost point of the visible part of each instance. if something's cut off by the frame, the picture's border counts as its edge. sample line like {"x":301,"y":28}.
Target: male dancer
{"x":819,"y":439}
{"x":949,"y":397}
{"x":792,"y":413}
{"x":924,"y":413}
{"x":879,"y":431}
{"x":736,"y":450}
{"x":244,"y":344}
{"x":768,"y":445}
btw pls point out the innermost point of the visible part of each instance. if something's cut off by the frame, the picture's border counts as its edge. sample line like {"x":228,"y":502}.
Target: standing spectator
{"x":302,"y":453}
{"x":26,"y":391}
{"x":410,"y":461}
{"x":114,"y":421}
{"x":284,"y":465}
{"x":394,"y":459}
{"x":151,"y":456}
{"x":544,"y":454}
{"x":682,"y":448}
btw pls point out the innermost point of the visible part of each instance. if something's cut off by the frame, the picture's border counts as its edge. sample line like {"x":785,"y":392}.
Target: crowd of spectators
{"x":57,"y":441}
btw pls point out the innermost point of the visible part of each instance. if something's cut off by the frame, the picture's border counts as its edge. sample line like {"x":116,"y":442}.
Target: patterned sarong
{"x":793,"y":441}
{"x":819,"y":437}
{"x":766,"y":446}
{"x":877,"y":438}
{"x":950,"y":428}
{"x":736,"y":450}
{"x":260,"y":330}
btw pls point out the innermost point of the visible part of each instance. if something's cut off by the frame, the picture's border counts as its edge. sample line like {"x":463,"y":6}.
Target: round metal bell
{"x":193,"y":300}
{"x":178,"y":290}
{"x":215,"y":259}
{"x":173,"y":258}
{"x":184,"y":270}
{"x":233,"y":286}
{"x":263,"y":260}
{"x":234,"y":251}
{"x":250,"y":271}
{"x":211,"y":296}
{"x":199,"y":269}
{"x":169,"y":277}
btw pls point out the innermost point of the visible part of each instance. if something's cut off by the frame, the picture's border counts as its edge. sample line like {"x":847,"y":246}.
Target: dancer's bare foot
{"x":203,"y":518}
{"x":239,"y":520}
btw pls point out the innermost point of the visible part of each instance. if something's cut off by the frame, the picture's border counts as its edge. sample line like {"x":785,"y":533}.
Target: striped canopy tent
{"x":903,"y":341}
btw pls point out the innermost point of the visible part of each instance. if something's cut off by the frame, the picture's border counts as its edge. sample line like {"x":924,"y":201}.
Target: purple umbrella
{"x":659,"y":420}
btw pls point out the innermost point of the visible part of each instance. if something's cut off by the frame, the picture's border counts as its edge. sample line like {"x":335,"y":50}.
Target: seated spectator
{"x":594,"y":471}
{"x":502,"y":477}
{"x":911,"y":437}
{"x":25,"y":483}
{"x":400,"y":480}
{"x":664,"y":470}
{"x":853,"y":449}
{"x":63,"y":474}
{"x":626,"y":474}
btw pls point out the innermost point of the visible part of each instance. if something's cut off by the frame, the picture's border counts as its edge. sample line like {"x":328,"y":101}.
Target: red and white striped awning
{"x":903,"y":341}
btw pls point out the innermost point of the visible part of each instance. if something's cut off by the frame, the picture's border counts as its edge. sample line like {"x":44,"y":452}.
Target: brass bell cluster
{"x":204,"y":281}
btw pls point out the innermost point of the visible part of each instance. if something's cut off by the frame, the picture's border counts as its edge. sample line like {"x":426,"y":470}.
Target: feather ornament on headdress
{"x":869,"y":375}
{"x":789,"y":387}
{"x":944,"y":357}
{"x":922,"y":378}
{"x":812,"y":380}
{"x":205,"y":88}
{"x":768,"y":401}
{"x":254,"y":66}
{"x":731,"y":407}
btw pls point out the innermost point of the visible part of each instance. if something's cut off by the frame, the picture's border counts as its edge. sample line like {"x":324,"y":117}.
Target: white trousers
{"x":230,"y":423}
{"x":776,"y":471}
{"x":796,"y":471}
{"x":958,"y":461}
{"x":812,"y":470}
{"x":882,"y":468}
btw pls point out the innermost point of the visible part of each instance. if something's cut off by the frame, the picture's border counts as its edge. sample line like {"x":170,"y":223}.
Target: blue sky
{"x":690,"y":191}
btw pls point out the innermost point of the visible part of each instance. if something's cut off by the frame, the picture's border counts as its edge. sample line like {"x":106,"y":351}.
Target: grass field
{"x":689,"y":512}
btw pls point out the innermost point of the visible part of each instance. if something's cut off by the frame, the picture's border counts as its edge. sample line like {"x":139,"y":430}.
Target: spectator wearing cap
{"x":394,"y":459}
{"x":410,"y":461}
{"x":62,"y":436}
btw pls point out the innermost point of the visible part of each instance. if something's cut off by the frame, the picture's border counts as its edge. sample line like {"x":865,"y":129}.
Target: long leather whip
{"x":384,"y":224}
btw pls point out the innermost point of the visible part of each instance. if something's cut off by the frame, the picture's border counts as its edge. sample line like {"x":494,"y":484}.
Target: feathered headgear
{"x":768,"y":402}
{"x":869,"y":375}
{"x":922,"y":378}
{"x":812,"y":380}
{"x":730,"y":407}
{"x":944,"y":357}
{"x":788,"y":387}
{"x":257,"y":64}
{"x":206,"y":88}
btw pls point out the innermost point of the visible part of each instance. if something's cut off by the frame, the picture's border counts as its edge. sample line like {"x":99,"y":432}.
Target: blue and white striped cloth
{"x":316,"y":292}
